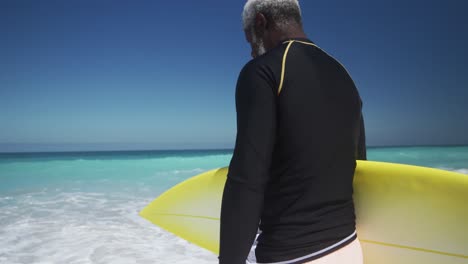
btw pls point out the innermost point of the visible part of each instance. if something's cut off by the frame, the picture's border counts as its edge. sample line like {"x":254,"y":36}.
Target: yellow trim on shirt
{"x":284,"y":66}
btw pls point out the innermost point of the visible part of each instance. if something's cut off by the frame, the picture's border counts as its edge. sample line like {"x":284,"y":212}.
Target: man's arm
{"x":250,"y":165}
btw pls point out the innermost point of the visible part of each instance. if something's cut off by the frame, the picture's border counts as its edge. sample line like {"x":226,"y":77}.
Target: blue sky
{"x":91,"y":75}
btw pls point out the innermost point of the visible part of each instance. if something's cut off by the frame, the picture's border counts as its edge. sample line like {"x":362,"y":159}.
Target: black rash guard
{"x":299,"y":133}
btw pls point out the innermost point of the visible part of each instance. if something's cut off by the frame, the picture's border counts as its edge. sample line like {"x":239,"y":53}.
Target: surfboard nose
{"x":191,"y":209}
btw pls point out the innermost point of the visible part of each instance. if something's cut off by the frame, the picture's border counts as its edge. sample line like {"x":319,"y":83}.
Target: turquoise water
{"x":83,"y":207}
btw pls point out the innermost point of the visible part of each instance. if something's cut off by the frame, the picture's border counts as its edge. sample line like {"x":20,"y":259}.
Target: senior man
{"x":299,"y":133}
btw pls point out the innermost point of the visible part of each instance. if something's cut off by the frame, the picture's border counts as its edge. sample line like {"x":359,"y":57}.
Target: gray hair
{"x":281,"y":12}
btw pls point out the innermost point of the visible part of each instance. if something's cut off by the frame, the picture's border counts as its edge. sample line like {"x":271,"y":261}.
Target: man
{"x":299,"y":133}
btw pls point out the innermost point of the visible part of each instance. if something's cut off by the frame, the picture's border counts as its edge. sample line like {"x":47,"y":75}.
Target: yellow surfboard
{"x":405,"y":214}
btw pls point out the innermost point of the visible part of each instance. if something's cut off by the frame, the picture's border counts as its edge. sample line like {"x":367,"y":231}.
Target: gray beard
{"x":260,"y":46}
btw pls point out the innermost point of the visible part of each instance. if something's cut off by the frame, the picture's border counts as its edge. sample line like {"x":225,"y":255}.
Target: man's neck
{"x":292,"y":33}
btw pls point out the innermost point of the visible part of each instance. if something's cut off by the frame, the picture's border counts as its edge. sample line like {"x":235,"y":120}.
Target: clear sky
{"x":112,"y":74}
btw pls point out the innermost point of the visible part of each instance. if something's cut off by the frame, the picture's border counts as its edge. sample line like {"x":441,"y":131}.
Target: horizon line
{"x":192,"y":149}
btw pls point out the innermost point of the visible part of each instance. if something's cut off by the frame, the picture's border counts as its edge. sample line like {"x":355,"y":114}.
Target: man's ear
{"x":261,"y":23}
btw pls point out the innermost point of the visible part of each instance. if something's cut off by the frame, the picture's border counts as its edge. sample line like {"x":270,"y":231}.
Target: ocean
{"x":82,"y":207}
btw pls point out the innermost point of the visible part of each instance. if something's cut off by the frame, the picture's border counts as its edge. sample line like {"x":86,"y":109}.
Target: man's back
{"x":308,"y":200}
{"x":312,"y":113}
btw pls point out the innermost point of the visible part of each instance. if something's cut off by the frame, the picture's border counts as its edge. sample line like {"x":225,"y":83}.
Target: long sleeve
{"x":250,"y":165}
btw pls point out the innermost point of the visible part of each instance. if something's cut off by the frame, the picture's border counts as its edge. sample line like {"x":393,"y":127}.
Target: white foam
{"x":194,"y":171}
{"x":464,"y":171}
{"x":6,"y":198}
{"x":79,"y":227}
